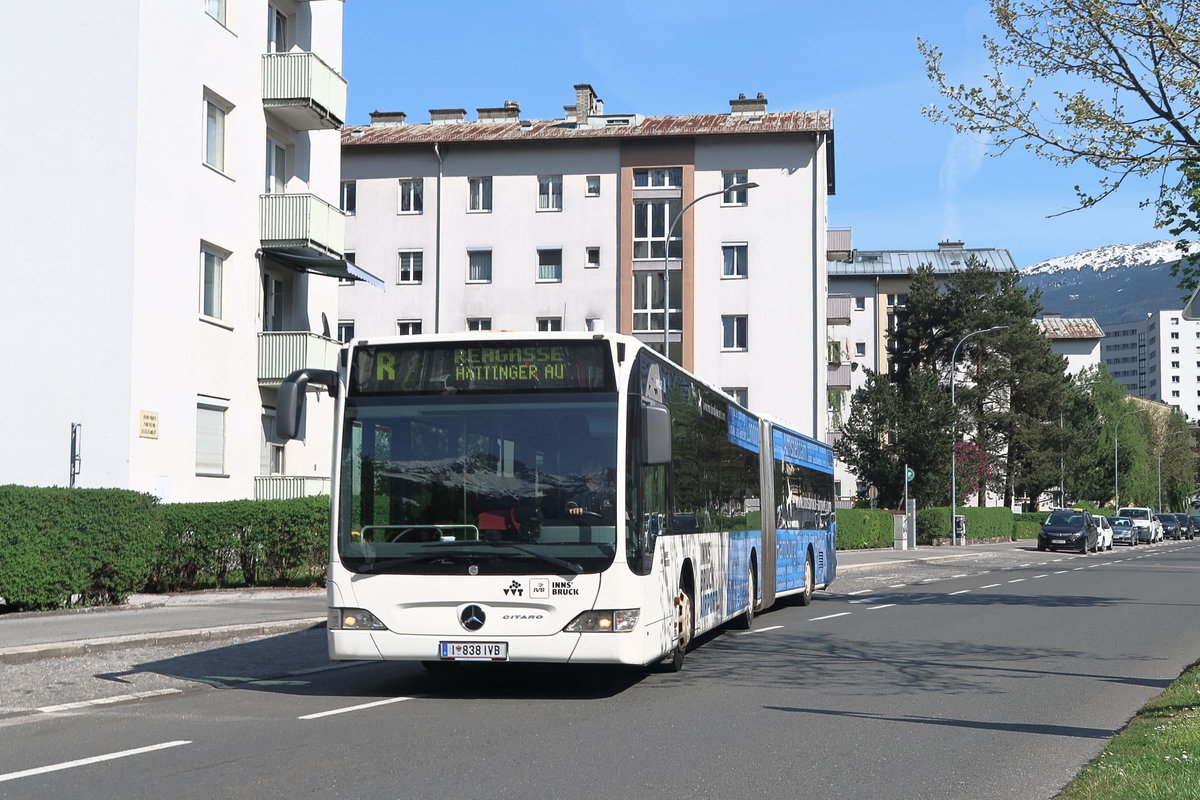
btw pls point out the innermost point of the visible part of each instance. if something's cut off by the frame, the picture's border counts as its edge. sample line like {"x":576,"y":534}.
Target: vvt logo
{"x":514,"y":588}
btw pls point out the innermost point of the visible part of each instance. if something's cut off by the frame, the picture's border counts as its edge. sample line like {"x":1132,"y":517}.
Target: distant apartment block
{"x":502,"y":222}
{"x":176,"y":246}
{"x":1076,"y":339}
{"x":1157,"y":357}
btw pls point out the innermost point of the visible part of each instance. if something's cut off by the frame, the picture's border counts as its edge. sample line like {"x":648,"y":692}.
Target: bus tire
{"x":745,"y":620}
{"x":685,"y":627}
{"x":809,"y":578}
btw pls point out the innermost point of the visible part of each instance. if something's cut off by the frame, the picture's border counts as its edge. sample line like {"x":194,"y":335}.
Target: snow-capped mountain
{"x":1116,"y":283}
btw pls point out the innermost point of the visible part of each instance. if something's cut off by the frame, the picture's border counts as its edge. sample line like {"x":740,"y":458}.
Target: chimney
{"x":380,"y":118}
{"x":439,"y":116}
{"x":950,"y":245}
{"x":757,"y":105}
{"x":1051,"y":315}
{"x":586,"y":103}
{"x":510,"y":111}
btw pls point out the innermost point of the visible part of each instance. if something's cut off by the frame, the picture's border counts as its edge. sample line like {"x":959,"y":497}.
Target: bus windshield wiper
{"x":569,"y":566}
{"x":392,"y":563}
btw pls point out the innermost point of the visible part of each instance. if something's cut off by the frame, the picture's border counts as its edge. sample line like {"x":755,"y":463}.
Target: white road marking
{"x":759,"y":630}
{"x":355,"y":708}
{"x":898,"y":585}
{"x":961,"y":575}
{"x":866,"y":600}
{"x":1061,"y":572}
{"x":1016,"y":580}
{"x":830,"y":616}
{"x":1024,"y":565}
{"x":960,"y":591}
{"x":85,"y":761}
{"x":861,"y":591}
{"x":1078,"y":568}
{"x":1035,"y":577}
{"x":885,"y":605}
{"x":923,"y":598}
{"x":120,"y":698}
{"x":990,"y":586}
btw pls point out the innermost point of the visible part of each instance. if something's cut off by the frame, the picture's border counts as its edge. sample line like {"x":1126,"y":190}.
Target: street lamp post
{"x":1116,"y":464}
{"x":737,"y":187}
{"x":1160,"y":457}
{"x":954,"y":430}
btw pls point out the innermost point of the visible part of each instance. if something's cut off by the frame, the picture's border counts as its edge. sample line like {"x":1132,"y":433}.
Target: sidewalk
{"x":148,"y":620}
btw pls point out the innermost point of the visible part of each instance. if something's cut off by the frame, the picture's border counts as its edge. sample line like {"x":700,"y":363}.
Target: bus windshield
{"x":495,"y":484}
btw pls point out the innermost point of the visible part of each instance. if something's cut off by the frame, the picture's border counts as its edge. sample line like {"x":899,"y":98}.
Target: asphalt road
{"x":987,"y":677}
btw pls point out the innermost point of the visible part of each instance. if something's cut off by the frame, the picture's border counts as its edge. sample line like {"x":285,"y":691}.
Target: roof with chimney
{"x":949,"y":257}
{"x":1056,"y":327}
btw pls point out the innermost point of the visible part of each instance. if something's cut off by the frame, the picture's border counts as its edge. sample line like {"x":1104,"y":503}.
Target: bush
{"x":1023,"y":529}
{"x":859,"y":528}
{"x":75,"y":546}
{"x":982,"y":523}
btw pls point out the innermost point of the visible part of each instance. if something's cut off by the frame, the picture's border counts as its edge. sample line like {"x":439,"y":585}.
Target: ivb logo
{"x":514,"y":589}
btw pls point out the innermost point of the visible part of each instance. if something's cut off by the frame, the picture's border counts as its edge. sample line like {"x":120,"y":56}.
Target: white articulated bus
{"x":567,"y":498}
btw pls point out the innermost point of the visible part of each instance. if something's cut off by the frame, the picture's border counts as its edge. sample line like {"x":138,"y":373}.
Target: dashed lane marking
{"x":990,"y":586}
{"x":361,"y":707}
{"x":759,"y":630}
{"x":830,"y":616}
{"x":960,"y":591}
{"x":26,"y":773}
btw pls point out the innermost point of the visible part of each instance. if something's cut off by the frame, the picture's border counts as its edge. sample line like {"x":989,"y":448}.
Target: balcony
{"x":303,"y":91}
{"x":287,"y":487}
{"x":280,"y":353}
{"x":301,"y":220}
{"x":838,"y":377}
{"x":837,"y":309}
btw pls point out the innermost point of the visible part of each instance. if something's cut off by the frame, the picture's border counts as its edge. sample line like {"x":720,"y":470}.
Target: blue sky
{"x":902,"y":182}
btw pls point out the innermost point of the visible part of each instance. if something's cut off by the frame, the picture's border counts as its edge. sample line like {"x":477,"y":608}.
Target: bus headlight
{"x":353,"y":619}
{"x":606,"y":621}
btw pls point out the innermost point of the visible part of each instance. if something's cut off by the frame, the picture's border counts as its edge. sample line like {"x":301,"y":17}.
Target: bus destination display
{"x":499,"y":367}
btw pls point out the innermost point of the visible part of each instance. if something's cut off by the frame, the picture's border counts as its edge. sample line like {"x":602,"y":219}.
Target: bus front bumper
{"x":636,"y":647}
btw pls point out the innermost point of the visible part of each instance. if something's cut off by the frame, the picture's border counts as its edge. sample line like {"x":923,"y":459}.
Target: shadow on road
{"x":1013,"y":727}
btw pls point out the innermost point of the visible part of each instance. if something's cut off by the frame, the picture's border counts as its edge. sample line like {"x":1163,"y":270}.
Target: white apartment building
{"x":868,"y":292}
{"x":1077,"y":339}
{"x":155,"y":262}
{"x":507,"y":223}
{"x":1157,"y":357}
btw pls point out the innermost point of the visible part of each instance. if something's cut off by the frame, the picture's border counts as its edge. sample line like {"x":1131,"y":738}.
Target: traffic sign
{"x":909,"y":474}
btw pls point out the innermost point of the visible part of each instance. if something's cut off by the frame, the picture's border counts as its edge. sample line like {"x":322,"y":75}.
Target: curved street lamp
{"x":737,"y":187}
{"x":1116,"y":465}
{"x":954,"y":430}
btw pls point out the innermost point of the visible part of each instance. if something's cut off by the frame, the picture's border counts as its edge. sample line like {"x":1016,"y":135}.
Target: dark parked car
{"x":1075,"y":530}
{"x":1195,"y":518}
{"x":1170,"y":525}
{"x":1123,"y":531}
{"x":1186,"y":529}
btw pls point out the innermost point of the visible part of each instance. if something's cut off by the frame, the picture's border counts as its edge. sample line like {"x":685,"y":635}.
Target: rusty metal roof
{"x":1070,"y":328}
{"x":626,"y":126}
{"x":899,"y":262}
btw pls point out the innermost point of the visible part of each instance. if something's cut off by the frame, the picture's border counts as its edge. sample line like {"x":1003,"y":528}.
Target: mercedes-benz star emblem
{"x":472,"y":618}
{"x":473,"y":569}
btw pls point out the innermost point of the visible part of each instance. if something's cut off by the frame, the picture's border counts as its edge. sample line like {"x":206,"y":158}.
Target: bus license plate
{"x":474,"y":651}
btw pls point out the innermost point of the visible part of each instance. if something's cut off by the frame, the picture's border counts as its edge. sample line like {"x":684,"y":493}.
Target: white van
{"x":1147,"y":527}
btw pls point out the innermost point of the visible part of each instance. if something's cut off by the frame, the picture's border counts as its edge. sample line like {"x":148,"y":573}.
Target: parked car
{"x":1068,"y":529}
{"x":1170,"y":526}
{"x":1123,"y":531}
{"x":1195,"y":518}
{"x":1149,"y":529}
{"x":1104,"y":533}
{"x":1186,"y":529}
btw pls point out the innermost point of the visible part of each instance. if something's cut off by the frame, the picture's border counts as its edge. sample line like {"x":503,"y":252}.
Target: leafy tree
{"x":1113,"y":84}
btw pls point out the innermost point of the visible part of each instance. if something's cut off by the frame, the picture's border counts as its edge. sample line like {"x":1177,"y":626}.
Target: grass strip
{"x":1156,"y":756}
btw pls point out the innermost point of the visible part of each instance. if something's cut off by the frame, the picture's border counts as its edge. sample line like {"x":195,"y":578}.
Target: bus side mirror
{"x":289,"y":406}
{"x":656,"y":435}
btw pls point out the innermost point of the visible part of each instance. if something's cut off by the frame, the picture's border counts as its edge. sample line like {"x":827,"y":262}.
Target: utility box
{"x":900,"y":532}
{"x":960,"y":529}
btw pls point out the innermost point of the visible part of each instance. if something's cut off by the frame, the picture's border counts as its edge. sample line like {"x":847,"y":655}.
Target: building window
{"x":271,"y":461}
{"x":549,"y":323}
{"x":737,"y":198}
{"x":411,"y":266}
{"x":1175,"y":393}
{"x":277,"y":35}
{"x":897,"y":300}
{"x":408,"y":327}
{"x":860,"y":304}
{"x":860,"y":349}
{"x":214,"y":133}
{"x":345,"y":330}
{"x":1174,"y":379}
{"x":210,"y":437}
{"x":648,"y":302}
{"x":215,"y":9}
{"x":412,"y":195}
{"x":276,"y":177}
{"x":479,"y":266}
{"x":479,"y":323}
{"x":650,"y":221}
{"x":1174,"y":335}
{"x":1175,"y":365}
{"x":550,"y":197}
{"x":349,"y":199}
{"x":667,"y":178}
{"x":733,"y":332}
{"x":1174,"y":320}
{"x":593,"y":186}
{"x":272,"y":314}
{"x":549,"y":265}
{"x":212,"y":265}
{"x":481,"y":194}
{"x":734,"y":257}
{"x":593,"y":258}
{"x":739,"y":393}
{"x":1174,"y":349}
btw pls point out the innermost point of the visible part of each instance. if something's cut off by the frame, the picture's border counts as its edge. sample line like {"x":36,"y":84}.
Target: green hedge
{"x":982,"y":523}
{"x":61,"y":547}
{"x":250,"y":542}
{"x":81,"y":546}
{"x":1023,"y":529}
{"x":860,"y":528}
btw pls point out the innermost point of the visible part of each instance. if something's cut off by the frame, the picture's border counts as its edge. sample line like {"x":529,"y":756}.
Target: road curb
{"x":108,"y":644}
{"x":901,"y":562}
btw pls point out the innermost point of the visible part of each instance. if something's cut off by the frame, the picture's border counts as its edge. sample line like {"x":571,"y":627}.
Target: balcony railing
{"x":287,"y":487}
{"x":302,"y":220}
{"x":837,"y":309}
{"x":303,"y":90}
{"x":280,"y":353}
{"x":839,"y":376}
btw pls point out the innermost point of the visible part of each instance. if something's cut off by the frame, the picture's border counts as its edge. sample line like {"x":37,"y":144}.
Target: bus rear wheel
{"x":745,"y":620}
{"x":809,"y":576}
{"x":685,"y":627}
